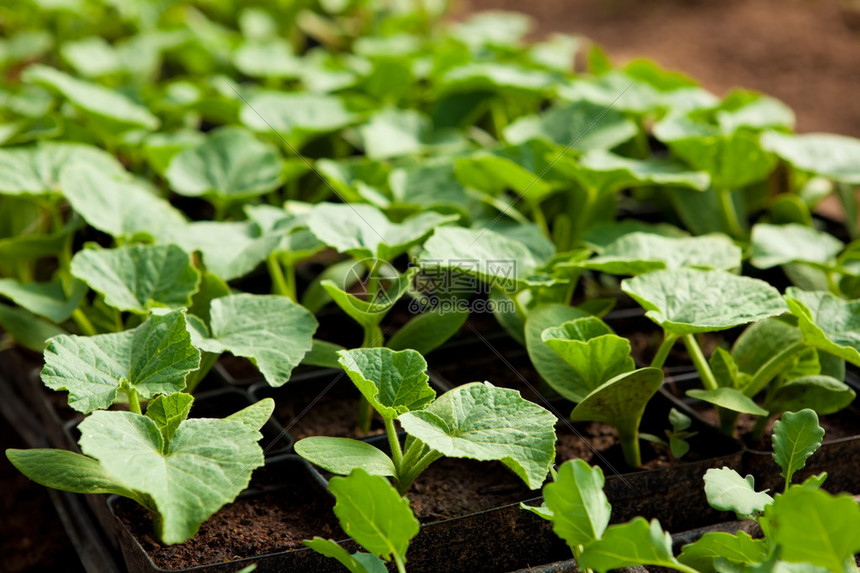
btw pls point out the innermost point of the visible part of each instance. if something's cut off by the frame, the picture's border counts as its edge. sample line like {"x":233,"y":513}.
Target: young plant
{"x":476,"y":421}
{"x":375,"y":516}
{"x":579,"y":511}
{"x":592,"y":367}
{"x":805,"y":528}
{"x":182,"y":470}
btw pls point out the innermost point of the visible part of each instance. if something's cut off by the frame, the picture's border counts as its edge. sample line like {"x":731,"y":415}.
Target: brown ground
{"x":804,"y":52}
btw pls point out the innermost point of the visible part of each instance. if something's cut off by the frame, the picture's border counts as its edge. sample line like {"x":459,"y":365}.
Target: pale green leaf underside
{"x":730,"y":398}
{"x":620,"y":401}
{"x":155,"y":358}
{"x":138,"y":278}
{"x":483,"y":422}
{"x":342,"y":455}
{"x":728,"y":491}
{"x":686,"y":301}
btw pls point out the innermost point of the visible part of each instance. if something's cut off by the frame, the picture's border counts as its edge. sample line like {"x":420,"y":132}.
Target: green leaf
{"x":323,"y":354}
{"x":496,"y":77}
{"x":482,"y":422}
{"x":812,"y":526}
{"x":728,"y":491}
{"x":98,"y":101}
{"x":686,"y":301}
{"x":602,"y":235}
{"x":342,"y":455}
{"x":68,"y":471}
{"x":296,"y":116}
{"x":168,"y":412}
{"x":762,"y":340}
{"x":396,"y":133}
{"x":740,"y":548}
{"x":823,"y":394}
{"x":796,"y":437}
{"x":551,"y":367}
{"x":729,"y":398}
{"x":428,"y":330}
{"x":231,"y":164}
{"x":632,"y":543}
{"x":774,"y":245}
{"x":372,"y":512}
{"x":256,"y":415}
{"x":117,"y":205}
{"x":639,"y":253}
{"x":490,"y":256}
{"x":364,"y":231}
{"x":592,"y":350}
{"x":37,"y":169}
{"x":644,"y":172}
{"x":836,"y":157}
{"x":154,"y":358}
{"x":48,"y":299}
{"x":267,"y":58}
{"x":580,"y":510}
{"x":26,"y":328}
{"x":271,"y":330}
{"x":139,"y":278}
{"x":370,"y":312}
{"x":355,"y":563}
{"x":582,"y":126}
{"x":620,"y":402}
{"x":393,"y":382}
{"x":230,"y":249}
{"x":206,"y":465}
{"x":827,"y":322}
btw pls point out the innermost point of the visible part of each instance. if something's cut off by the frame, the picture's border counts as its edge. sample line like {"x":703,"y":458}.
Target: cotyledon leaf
{"x":728,"y":491}
{"x":580,"y":509}
{"x":686,"y":301}
{"x":482,"y":422}
{"x":273,"y":331}
{"x":154,"y":358}
{"x":138,"y":278}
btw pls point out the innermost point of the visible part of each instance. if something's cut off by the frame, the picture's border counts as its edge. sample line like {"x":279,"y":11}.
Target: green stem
{"x":394,"y":444}
{"x":698,"y":358}
{"x":401,"y":568}
{"x":133,"y":400}
{"x":540,"y":218}
{"x":365,"y":415}
{"x":582,"y":220}
{"x":771,"y":368}
{"x":117,"y":321}
{"x":499,"y":117}
{"x":630,"y":447}
{"x":422,"y":464}
{"x":730,"y":214}
{"x":669,"y":340}
{"x":290,"y":270}
{"x":758,"y":430}
{"x":83,"y":322}
{"x":279,"y":281}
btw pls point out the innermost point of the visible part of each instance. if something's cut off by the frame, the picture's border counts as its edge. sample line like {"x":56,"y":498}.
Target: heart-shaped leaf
{"x":154,"y":358}
{"x":393,"y":382}
{"x":639,"y":253}
{"x":827,"y":322}
{"x":231,"y":164}
{"x":138,"y":278}
{"x":592,"y":350}
{"x":482,"y":422}
{"x":686,"y":301}
{"x":774,"y":245}
{"x":273,"y":331}
{"x":551,"y":367}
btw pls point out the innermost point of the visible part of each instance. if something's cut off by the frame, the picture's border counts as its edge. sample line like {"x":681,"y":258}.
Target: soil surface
{"x":804,"y":52}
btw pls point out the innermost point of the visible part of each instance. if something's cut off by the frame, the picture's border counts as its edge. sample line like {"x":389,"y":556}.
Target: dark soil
{"x":457,"y":487}
{"x":268,"y":523}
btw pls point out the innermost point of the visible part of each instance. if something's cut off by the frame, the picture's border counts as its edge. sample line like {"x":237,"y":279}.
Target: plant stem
{"x":708,"y":379}
{"x":83,"y":322}
{"x":401,"y":568}
{"x":394,"y":444}
{"x":365,"y":416}
{"x":133,"y":400}
{"x":416,"y":470}
{"x":669,"y":340}
{"x":730,"y":214}
{"x":540,"y":218}
{"x":279,"y":281}
{"x":771,"y":368}
{"x":630,"y":447}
